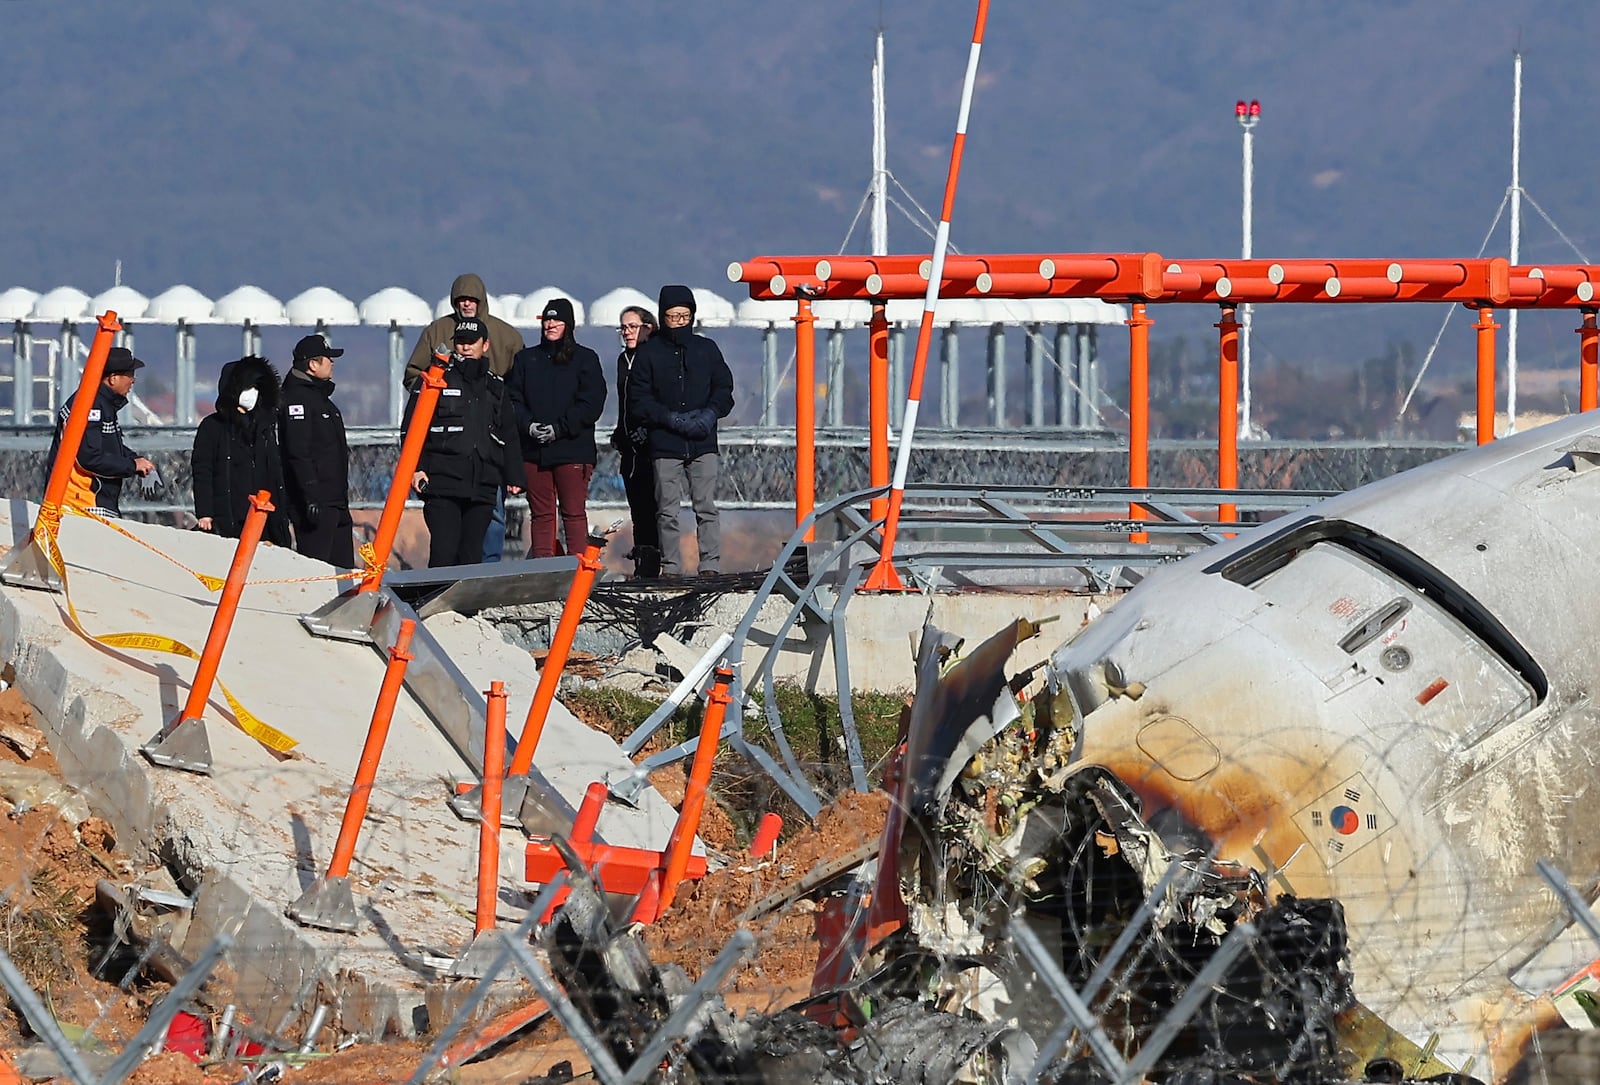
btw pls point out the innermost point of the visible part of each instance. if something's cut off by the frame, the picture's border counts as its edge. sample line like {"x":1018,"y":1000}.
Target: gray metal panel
{"x":467,"y":589}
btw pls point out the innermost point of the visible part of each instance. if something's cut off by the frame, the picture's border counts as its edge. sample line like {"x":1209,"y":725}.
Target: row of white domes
{"x":321,"y":306}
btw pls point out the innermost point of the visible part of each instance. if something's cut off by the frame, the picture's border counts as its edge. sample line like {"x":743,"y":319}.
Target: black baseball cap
{"x":469,"y":330}
{"x":314,"y":346}
{"x":121,"y":360}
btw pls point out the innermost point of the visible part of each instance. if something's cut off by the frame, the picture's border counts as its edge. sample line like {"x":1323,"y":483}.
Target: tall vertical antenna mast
{"x":1516,"y":235}
{"x":880,"y":168}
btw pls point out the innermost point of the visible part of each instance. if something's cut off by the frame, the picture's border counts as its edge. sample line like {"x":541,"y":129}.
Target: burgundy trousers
{"x":567,"y":486}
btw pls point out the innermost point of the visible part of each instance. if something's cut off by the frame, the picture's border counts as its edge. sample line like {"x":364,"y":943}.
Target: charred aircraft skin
{"x":1387,"y":700}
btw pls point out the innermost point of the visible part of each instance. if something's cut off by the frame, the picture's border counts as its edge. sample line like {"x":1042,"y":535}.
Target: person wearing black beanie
{"x":678,"y":390}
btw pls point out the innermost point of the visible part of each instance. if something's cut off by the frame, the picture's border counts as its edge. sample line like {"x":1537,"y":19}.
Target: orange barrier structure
{"x":766,"y":836}
{"x":694,"y":796}
{"x":1145,"y":277}
{"x":1589,"y":363}
{"x":355,"y":810}
{"x":1138,"y":410}
{"x":244,"y":552}
{"x":1486,"y":329}
{"x":1228,"y":409}
{"x":328,"y":903}
{"x":182,"y":744}
{"x":394,"y":505}
{"x":560,"y":647}
{"x":494,"y":757}
{"x":878,"y":407}
{"x":29,"y":566}
{"x":805,"y":411}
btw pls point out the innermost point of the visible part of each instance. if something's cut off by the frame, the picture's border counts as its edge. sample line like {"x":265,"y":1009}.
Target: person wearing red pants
{"x":558,"y":391}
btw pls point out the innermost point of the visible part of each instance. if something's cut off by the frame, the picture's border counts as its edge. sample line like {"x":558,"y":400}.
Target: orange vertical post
{"x":560,"y":646}
{"x":1588,"y":363}
{"x":1228,"y":409}
{"x":1138,"y":411}
{"x":394,"y":505}
{"x":694,"y":796}
{"x":494,"y":756}
{"x":1486,"y":392}
{"x":878,"y":407}
{"x":94,"y":368}
{"x":355,"y":809}
{"x":205,"y":674}
{"x":805,"y":412}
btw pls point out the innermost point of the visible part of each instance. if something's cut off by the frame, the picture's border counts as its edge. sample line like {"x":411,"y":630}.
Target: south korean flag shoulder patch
{"x":297,"y":410}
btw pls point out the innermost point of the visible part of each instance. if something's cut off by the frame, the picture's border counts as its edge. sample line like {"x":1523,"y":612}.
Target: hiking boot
{"x":646,"y":563}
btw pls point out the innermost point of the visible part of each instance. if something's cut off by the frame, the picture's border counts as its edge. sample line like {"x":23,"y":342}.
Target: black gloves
{"x":313,"y":513}
{"x":693,"y":425}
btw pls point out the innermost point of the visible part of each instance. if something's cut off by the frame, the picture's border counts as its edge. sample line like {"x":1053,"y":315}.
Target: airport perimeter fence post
{"x":182,"y":744}
{"x":31,"y":566}
{"x":327,"y":903}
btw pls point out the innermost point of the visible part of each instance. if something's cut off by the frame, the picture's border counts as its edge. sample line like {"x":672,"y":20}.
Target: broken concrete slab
{"x":250,"y":837}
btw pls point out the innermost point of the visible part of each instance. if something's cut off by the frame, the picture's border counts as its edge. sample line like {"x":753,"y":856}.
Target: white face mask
{"x":248,"y":398}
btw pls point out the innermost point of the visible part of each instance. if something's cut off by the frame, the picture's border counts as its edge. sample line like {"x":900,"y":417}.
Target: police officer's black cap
{"x":121,"y":360}
{"x":470,"y":330}
{"x":314,"y":346}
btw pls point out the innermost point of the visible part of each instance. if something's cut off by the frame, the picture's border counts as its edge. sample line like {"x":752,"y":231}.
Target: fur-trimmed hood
{"x":248,"y":372}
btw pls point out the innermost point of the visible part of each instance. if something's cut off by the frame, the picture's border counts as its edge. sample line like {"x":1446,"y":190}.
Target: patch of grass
{"x":40,"y":930}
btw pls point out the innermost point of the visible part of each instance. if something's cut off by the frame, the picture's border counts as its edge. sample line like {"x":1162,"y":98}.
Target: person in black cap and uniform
{"x":470,"y":452}
{"x":104,"y":459}
{"x":679,"y":388}
{"x":316,"y":459}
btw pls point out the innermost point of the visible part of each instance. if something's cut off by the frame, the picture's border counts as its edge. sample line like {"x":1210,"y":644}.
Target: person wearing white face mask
{"x":236,"y":452}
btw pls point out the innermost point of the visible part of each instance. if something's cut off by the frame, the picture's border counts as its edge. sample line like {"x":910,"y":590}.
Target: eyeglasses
{"x":629,"y":327}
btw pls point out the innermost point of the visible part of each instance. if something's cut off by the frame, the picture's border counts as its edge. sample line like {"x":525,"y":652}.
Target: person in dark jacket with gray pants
{"x":470,"y":451}
{"x":678,"y":390}
{"x":558,"y":390}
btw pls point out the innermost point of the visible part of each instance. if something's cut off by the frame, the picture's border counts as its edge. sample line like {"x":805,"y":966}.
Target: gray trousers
{"x":696,"y":480}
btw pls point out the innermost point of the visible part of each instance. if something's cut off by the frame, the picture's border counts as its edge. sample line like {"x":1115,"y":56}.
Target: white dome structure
{"x":321,"y":306}
{"x":606,"y":310}
{"x":394,"y":305}
{"x":1075,"y":311}
{"x":758,"y":314}
{"x":67,"y":304}
{"x":443,"y":308}
{"x":125,"y":301}
{"x":841,"y":313}
{"x":533,"y":304}
{"x":179,"y":304}
{"x":712,"y":310}
{"x":971,"y":311}
{"x":249,"y":304}
{"x":502,"y":304}
{"x":17,"y":303}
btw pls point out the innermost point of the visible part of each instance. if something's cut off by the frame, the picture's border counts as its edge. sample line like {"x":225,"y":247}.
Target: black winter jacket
{"x":103,"y":455}
{"x":316,"y":459}
{"x":567,"y":395}
{"x":236,"y":453}
{"x":471,"y":449}
{"x":675,"y":372}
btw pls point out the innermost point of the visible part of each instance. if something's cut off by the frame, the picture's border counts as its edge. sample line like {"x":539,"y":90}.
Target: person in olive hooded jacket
{"x":236,"y":453}
{"x":558,"y":390}
{"x":469,"y":300}
{"x":678,"y":389}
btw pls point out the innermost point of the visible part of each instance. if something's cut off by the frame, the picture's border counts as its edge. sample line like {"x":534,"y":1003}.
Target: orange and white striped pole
{"x":883,"y":577}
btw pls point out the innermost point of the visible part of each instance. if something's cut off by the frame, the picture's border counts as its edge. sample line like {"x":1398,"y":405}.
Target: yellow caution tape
{"x":270,"y":737}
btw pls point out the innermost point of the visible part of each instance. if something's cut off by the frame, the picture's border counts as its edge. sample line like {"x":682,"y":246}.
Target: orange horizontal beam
{"x":1120,"y":277}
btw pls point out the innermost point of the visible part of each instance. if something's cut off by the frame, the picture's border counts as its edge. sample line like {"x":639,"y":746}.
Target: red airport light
{"x":1255,"y":108}
{"x":1239,"y":109}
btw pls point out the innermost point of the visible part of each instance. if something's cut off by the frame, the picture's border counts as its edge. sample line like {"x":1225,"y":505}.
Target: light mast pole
{"x":1247,"y":114}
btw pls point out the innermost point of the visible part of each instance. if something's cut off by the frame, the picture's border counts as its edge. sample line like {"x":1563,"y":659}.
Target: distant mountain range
{"x":367,"y":143}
